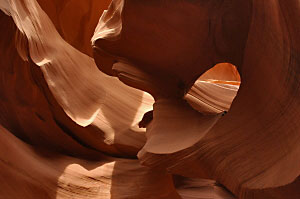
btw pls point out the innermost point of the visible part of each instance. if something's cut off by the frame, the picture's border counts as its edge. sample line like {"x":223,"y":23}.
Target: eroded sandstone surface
{"x":160,"y":99}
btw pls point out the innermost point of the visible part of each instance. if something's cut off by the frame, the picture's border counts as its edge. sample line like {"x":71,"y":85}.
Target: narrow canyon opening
{"x":214,"y":91}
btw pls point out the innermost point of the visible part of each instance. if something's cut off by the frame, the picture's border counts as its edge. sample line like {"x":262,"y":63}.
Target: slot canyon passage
{"x":149,"y":99}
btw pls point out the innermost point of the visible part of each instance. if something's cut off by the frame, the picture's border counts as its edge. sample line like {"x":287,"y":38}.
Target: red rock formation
{"x":70,"y":131}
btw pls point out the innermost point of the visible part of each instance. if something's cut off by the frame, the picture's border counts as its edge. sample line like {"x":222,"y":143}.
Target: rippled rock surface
{"x":160,"y":99}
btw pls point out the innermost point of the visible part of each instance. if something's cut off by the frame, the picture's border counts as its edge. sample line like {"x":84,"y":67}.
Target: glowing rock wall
{"x":132,"y":99}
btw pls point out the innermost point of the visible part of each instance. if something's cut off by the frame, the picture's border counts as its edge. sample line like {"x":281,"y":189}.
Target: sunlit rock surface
{"x":149,"y":99}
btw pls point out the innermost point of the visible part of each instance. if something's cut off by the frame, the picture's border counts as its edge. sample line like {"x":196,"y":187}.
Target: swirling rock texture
{"x":159,"y":99}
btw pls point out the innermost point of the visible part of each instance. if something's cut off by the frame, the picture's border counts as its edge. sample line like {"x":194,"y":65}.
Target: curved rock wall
{"x":126,"y":109}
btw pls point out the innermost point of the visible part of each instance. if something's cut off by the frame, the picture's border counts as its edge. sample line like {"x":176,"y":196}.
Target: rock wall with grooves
{"x":160,"y":99}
